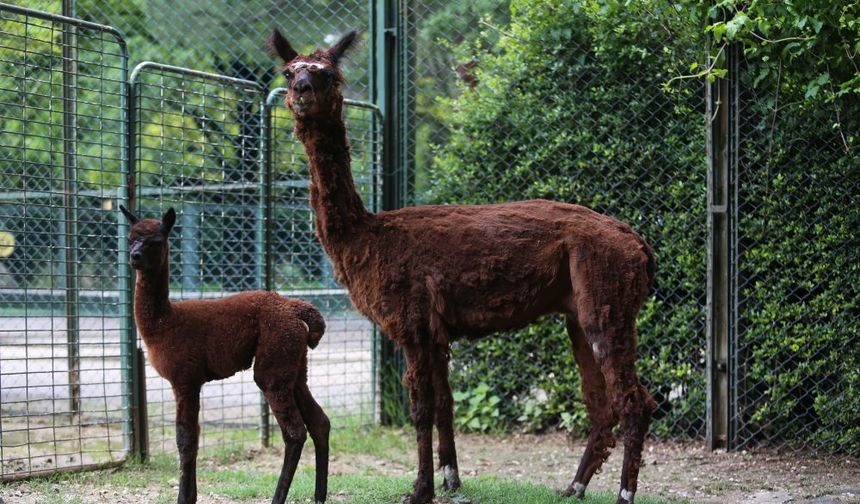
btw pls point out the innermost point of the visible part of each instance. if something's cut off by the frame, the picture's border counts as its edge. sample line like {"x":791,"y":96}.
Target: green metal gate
{"x":64,"y":371}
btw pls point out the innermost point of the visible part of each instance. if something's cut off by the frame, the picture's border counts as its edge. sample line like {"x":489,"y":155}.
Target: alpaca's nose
{"x":302,"y":85}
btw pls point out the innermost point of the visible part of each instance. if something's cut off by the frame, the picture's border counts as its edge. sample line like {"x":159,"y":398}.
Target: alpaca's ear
{"x":168,"y":221}
{"x":128,"y":215}
{"x":343,"y":45}
{"x":280,"y":46}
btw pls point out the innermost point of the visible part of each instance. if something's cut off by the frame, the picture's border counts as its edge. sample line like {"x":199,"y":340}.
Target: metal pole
{"x":722,"y":164}
{"x":133,"y":365}
{"x":389,"y":97}
{"x":70,"y":207}
{"x":266,"y":178}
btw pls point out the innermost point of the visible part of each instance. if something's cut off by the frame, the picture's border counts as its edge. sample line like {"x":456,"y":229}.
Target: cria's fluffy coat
{"x":193,"y":342}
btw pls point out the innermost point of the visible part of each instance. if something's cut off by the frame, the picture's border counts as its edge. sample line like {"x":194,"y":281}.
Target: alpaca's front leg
{"x":187,"y":434}
{"x":418,"y":379}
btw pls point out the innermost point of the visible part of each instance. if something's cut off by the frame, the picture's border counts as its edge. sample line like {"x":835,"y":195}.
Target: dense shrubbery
{"x":566,"y":111}
{"x":573,"y":105}
{"x":799,"y":293}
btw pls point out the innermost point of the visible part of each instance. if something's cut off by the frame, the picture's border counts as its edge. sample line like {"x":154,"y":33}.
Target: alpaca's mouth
{"x":302,"y":104}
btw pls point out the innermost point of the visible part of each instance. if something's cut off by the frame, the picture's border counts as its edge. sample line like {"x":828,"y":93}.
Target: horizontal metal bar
{"x":57,"y":18}
{"x":352,"y":103}
{"x":160,"y":191}
{"x":177,"y":295}
{"x":146,"y":65}
{"x":50,"y":472}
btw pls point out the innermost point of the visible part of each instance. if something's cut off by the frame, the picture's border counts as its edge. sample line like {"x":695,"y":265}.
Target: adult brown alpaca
{"x":193,"y":342}
{"x":429,"y":274}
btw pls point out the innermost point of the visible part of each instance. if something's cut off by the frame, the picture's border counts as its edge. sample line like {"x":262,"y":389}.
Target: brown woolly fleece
{"x":193,"y":342}
{"x":427,"y":275}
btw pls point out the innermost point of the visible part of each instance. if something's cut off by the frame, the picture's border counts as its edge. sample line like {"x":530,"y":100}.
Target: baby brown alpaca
{"x":429,"y":274}
{"x":193,"y":342}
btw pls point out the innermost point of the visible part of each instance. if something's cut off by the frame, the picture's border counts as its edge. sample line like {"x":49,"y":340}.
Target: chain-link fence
{"x":196,"y":141}
{"x":795,"y":355}
{"x":63,"y":370}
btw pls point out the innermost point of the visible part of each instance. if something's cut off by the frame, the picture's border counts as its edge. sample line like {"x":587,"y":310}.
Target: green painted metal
{"x":78,"y":435}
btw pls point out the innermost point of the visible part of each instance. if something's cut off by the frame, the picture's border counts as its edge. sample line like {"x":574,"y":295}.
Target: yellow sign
{"x":7,"y":244}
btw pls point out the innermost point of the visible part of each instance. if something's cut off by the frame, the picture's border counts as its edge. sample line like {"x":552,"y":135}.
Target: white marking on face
{"x":595,"y":347}
{"x":301,"y":65}
{"x":627,"y":495}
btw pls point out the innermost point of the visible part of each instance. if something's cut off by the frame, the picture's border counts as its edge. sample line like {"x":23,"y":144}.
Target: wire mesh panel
{"x":798,"y":268}
{"x":63,"y":385}
{"x":341,"y":369}
{"x":196,"y":148}
{"x":229,"y":36}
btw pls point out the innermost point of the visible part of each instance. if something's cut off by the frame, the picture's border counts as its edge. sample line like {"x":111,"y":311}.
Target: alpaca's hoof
{"x":415,"y":498}
{"x":575,"y":490}
{"x":625,"y":497}
{"x":451,"y":478}
{"x":423,"y":494}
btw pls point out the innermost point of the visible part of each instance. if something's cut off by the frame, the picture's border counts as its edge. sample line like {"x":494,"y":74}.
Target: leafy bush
{"x":570,"y":110}
{"x":592,"y":102}
{"x":799,"y":292}
{"x":477,"y":410}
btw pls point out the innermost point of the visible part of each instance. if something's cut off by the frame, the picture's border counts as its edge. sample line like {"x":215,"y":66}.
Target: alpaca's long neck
{"x":151,"y":299}
{"x":340,"y":213}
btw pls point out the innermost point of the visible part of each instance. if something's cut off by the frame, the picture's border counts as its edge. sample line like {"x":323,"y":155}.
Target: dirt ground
{"x":672,"y":470}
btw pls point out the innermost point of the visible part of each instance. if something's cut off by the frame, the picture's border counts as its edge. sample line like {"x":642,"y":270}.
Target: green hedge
{"x":799,"y":274}
{"x":572,"y":104}
{"x":564,"y":111}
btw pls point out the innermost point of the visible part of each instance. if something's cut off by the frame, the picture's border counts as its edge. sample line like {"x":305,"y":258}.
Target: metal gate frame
{"x":71,"y":283}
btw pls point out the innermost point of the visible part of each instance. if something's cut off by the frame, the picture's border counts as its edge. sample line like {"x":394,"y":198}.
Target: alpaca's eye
{"x":288,"y":75}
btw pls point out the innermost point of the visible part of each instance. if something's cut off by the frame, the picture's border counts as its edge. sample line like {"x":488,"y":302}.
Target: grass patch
{"x":375,"y":489}
{"x":248,"y":484}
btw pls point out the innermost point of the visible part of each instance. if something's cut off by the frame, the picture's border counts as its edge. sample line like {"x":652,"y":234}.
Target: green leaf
{"x":736,"y":24}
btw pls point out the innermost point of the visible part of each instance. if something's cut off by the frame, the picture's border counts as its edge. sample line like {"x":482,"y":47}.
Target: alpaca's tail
{"x":314,"y":320}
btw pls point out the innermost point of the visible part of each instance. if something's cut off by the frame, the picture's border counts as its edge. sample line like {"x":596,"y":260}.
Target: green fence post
{"x":69,"y":235}
{"x":133,"y":364}
{"x":386,"y":86}
{"x":266,"y":179}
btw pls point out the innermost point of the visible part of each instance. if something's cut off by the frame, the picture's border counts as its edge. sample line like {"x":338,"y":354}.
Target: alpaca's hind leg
{"x":319,"y":427}
{"x":187,"y":438}
{"x":600,"y":414}
{"x":633,"y":404}
{"x":418,"y":379}
{"x":280,"y":393}
{"x":445,"y":419}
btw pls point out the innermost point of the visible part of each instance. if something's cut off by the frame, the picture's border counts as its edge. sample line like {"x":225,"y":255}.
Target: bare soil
{"x":671,"y":470}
